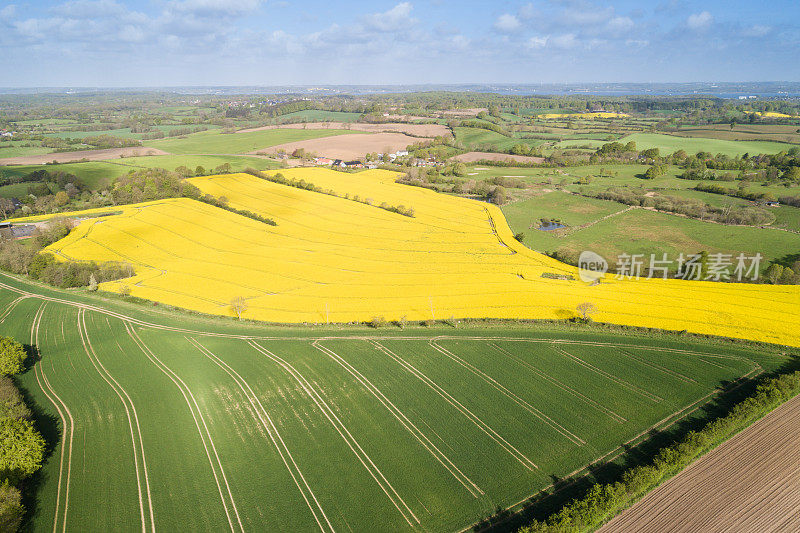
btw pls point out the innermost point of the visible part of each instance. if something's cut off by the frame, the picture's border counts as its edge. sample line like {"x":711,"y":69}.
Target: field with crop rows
{"x":165,"y":422}
{"x":343,"y":258}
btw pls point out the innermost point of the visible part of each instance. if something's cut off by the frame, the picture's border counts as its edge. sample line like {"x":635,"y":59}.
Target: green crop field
{"x":669,"y":144}
{"x":216,"y":142}
{"x":160,"y":420}
{"x":316,"y":115}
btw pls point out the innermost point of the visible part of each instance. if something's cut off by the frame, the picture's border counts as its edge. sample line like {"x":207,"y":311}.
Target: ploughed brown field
{"x":419,"y":130}
{"x":473,"y":157}
{"x":91,"y":155}
{"x":352,"y":146}
{"x":749,"y":483}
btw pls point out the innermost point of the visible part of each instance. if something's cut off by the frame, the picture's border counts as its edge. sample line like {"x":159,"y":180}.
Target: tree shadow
{"x":550,"y":501}
{"x":49,"y":427}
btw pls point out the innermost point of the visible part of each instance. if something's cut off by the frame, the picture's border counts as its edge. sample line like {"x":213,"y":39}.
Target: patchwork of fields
{"x":176,"y":424}
{"x":334,"y":259}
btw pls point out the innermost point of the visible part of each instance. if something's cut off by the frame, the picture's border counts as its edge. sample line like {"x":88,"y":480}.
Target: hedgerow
{"x":606,"y":500}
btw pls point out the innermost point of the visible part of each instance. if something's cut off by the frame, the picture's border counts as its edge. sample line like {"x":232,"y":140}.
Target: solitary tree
{"x":586,"y":309}
{"x":92,"y":282}
{"x":12,"y":354}
{"x":239,"y":306}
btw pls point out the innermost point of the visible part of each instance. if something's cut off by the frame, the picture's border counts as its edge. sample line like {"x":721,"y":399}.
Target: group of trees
{"x":28,"y":259}
{"x":22,"y":447}
{"x":748,"y":215}
{"x":778,"y":274}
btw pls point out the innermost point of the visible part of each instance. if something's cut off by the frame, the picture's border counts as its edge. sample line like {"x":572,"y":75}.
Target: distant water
{"x":551,"y":227}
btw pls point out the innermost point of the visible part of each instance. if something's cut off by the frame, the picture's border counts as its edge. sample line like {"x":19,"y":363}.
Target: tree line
{"x":603,"y":501}
{"x":22,"y":447}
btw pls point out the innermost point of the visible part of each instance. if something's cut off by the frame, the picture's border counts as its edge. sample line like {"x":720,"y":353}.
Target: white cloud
{"x":131,"y":34}
{"x":699,"y":21}
{"x":757,"y":31}
{"x":396,"y":19}
{"x":620,"y":25}
{"x":8,"y":12}
{"x":212,"y":7}
{"x":507,"y":23}
{"x":586,"y":15}
{"x":89,"y":9}
{"x":528,"y":11}
{"x":567,"y":41}
{"x":459,"y":42}
{"x":536,"y":43}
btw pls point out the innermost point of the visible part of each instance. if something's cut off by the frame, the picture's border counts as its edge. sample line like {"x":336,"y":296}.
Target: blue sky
{"x":259,"y":42}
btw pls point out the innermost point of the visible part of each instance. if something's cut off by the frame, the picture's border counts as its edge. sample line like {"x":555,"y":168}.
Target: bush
{"x":12,"y":355}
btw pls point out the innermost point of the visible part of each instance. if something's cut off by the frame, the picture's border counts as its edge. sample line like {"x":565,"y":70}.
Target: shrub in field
{"x":12,"y":355}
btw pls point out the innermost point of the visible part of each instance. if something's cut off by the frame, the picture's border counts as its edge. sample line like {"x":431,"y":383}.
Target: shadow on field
{"x":545,"y":503}
{"x":48,"y":426}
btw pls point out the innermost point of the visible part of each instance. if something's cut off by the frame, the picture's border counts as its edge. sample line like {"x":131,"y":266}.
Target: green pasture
{"x":641,"y":231}
{"x":670,"y":143}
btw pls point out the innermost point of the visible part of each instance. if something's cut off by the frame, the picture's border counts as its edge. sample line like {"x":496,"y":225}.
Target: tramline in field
{"x":227,"y":427}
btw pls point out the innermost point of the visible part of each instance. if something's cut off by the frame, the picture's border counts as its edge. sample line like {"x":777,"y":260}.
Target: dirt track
{"x":749,"y":483}
{"x":420,"y":130}
{"x":473,"y":157}
{"x":351,"y":146}
{"x":91,"y":155}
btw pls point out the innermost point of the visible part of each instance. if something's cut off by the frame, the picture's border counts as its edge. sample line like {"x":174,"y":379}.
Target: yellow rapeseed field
{"x":773,"y":114}
{"x":334,"y":259}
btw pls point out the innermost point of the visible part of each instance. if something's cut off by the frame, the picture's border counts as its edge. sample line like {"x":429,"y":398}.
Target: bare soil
{"x":90,"y":155}
{"x":472,"y":157}
{"x":418,"y":130}
{"x":353,"y":146}
{"x":749,"y":483}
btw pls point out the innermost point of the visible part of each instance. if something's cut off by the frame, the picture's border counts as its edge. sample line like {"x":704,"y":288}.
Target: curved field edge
{"x":457,"y":344}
